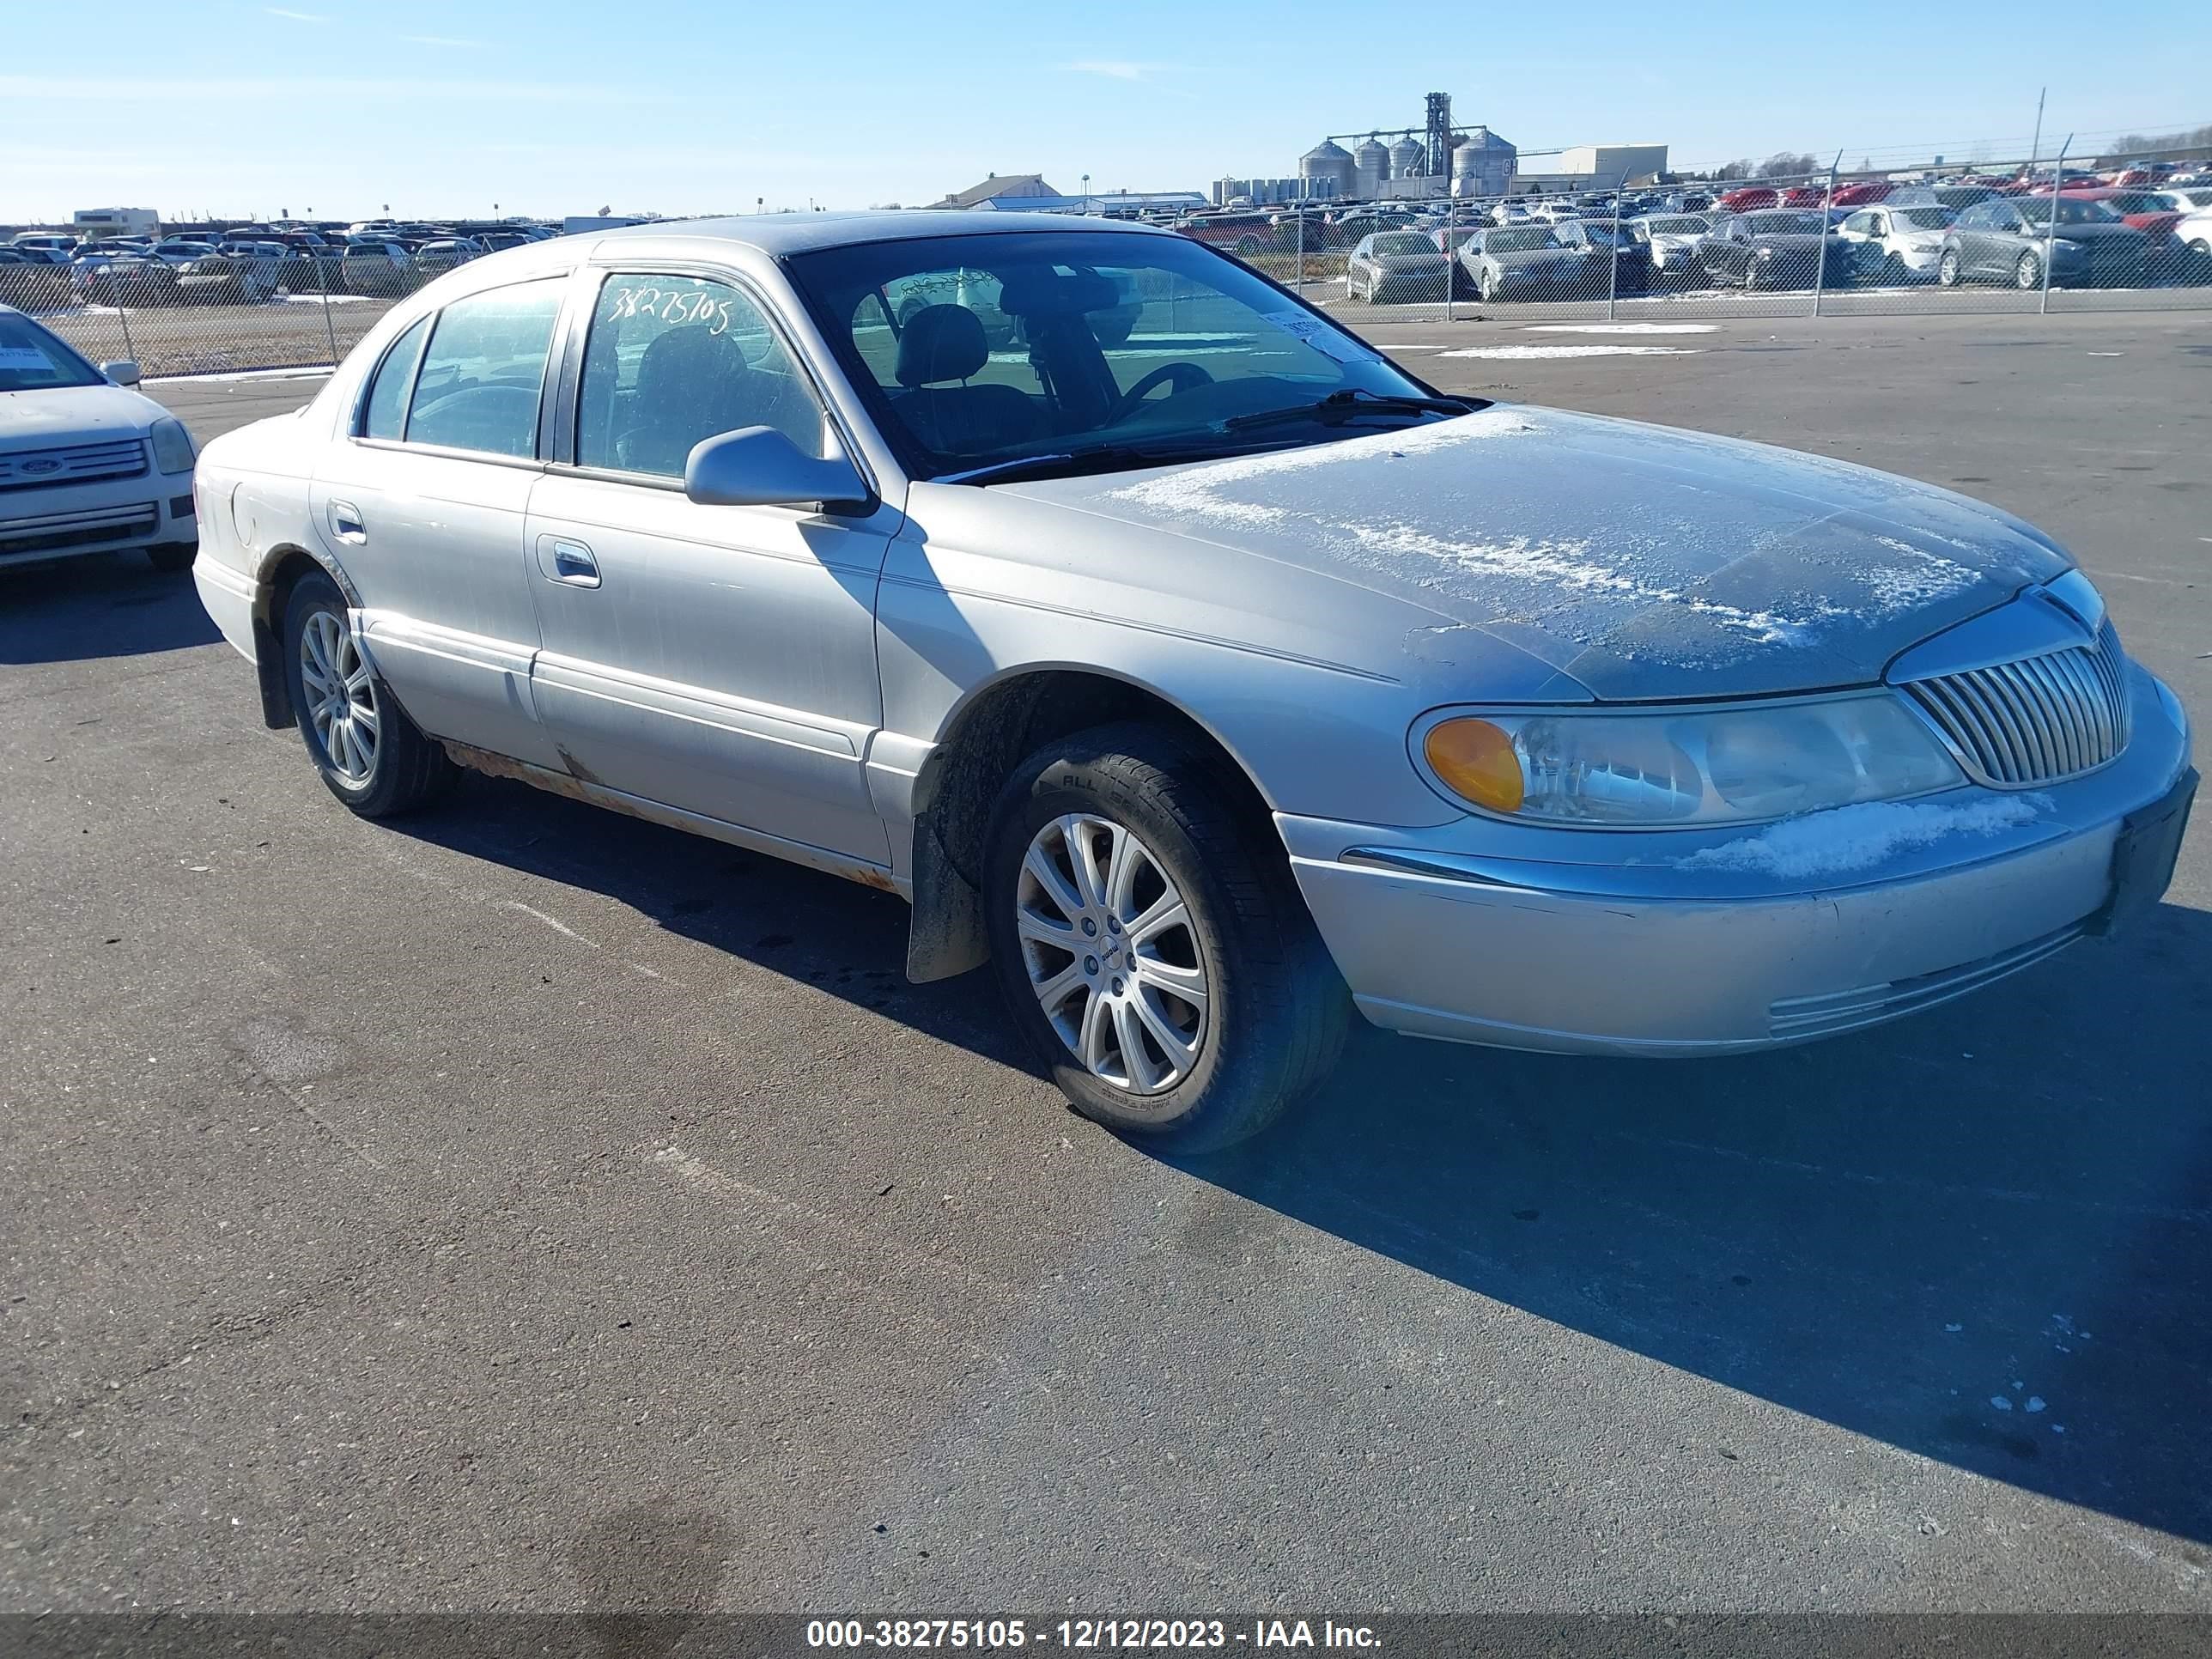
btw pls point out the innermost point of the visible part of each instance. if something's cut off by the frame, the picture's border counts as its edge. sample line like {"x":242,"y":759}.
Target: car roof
{"x":778,"y":233}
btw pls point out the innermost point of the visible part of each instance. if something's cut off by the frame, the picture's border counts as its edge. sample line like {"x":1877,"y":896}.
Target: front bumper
{"x":1440,"y":934}
{"x":101,"y":516}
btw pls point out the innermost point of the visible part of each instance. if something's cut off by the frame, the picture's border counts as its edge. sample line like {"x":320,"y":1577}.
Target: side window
{"x":484,"y":369}
{"x":386,"y":413}
{"x":673,"y":359}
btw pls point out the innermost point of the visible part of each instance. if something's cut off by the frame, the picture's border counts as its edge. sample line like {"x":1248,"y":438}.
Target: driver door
{"x":717,"y":660}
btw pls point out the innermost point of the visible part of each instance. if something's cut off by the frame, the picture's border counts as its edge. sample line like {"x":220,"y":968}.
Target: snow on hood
{"x":1643,"y":562}
{"x":52,"y":416}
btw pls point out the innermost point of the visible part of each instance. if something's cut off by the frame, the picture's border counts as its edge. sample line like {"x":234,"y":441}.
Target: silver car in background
{"x":1204,"y":673}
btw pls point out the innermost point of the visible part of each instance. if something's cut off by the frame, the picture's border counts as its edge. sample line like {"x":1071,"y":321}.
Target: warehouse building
{"x":1593,"y":167}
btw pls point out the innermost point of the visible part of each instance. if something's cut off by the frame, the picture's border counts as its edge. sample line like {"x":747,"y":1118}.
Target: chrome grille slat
{"x":2035,"y":720}
{"x":31,"y":469}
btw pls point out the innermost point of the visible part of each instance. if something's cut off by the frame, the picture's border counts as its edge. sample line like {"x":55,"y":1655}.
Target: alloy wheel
{"x":1112,"y":954}
{"x":341,"y":696}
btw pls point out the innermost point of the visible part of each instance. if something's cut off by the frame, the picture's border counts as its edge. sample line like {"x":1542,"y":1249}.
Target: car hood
{"x":1642,"y":561}
{"x":76,"y":414}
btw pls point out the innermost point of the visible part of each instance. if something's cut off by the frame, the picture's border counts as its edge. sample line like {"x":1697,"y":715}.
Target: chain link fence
{"x":187,"y":309}
{"x":2123,"y":234}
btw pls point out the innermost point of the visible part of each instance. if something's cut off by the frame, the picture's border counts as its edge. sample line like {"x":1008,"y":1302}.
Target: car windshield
{"x":1923,"y":218}
{"x":32,"y":360}
{"x":2037,"y":212}
{"x":1784,"y":224}
{"x":1404,"y":242}
{"x":1519,"y":241}
{"x":1688,"y":226}
{"x":979,"y":350}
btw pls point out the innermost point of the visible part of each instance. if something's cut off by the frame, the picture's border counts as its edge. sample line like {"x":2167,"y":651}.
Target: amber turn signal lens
{"x":1476,"y":759}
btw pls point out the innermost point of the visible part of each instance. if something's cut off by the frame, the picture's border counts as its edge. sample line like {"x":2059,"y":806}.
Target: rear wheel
{"x":372,"y":756}
{"x":1153,"y":946}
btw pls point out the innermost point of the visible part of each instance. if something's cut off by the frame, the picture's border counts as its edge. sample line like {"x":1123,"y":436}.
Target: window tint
{"x":386,"y":414}
{"x":483,"y":370}
{"x":674,"y":360}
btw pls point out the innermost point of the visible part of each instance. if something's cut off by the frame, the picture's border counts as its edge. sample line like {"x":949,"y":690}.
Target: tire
{"x":1272,"y":1013}
{"x":169,"y":557}
{"x":2027,"y":271}
{"x":1488,"y":288}
{"x":399,"y":769}
{"x":2199,"y":268}
{"x":1948,"y":271}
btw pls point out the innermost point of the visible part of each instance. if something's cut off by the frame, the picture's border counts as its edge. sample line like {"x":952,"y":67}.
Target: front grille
{"x":2037,"y":719}
{"x":58,"y":532}
{"x":32,"y":468}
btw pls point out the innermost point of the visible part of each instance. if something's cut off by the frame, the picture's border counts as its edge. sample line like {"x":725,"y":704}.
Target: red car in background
{"x":1865,"y":193}
{"x":2138,"y":207}
{"x":1746,"y":197}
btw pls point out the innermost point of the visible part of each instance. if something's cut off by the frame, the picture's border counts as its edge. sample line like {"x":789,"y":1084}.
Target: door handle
{"x":345,"y":523}
{"x":566,"y":562}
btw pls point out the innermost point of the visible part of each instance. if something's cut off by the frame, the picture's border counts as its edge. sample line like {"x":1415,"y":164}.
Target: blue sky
{"x":338,"y":106}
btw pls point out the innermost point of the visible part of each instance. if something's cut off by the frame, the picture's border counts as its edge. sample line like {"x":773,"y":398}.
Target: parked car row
{"x":42,"y":271}
{"x":2003,"y":238}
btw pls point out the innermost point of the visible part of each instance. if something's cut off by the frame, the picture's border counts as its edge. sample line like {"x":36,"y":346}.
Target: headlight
{"x":172,"y":445}
{"x":2064,"y":246}
{"x":1677,"y":769}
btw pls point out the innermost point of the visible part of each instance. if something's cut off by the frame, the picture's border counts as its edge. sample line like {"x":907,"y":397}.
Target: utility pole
{"x":2036,"y":144}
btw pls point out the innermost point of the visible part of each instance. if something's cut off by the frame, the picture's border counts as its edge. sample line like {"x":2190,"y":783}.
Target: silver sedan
{"x":1175,"y":654}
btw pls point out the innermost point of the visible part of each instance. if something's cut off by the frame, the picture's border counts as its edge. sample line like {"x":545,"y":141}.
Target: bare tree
{"x":1782,"y":164}
{"x":1739,"y":169}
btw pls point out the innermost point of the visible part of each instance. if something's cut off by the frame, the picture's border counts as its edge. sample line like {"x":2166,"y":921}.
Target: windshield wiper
{"x":1100,"y":457}
{"x":1353,"y":400}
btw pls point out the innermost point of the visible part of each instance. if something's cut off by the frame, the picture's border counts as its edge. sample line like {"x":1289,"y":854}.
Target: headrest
{"x":941,"y":343}
{"x":689,"y":362}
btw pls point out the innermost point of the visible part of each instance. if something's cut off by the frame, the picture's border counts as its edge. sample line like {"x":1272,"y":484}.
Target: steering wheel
{"x":1183,"y":377}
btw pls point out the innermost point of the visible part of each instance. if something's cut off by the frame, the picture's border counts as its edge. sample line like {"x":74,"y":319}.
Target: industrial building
{"x":1432,"y":160}
{"x":1595,"y":167}
{"x":1028,"y":192}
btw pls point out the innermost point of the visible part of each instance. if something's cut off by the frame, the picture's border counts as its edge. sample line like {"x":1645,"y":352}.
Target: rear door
{"x":422,"y":504}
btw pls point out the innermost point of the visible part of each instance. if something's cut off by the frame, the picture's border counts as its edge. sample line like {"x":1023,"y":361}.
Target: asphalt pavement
{"x":523,"y":1206}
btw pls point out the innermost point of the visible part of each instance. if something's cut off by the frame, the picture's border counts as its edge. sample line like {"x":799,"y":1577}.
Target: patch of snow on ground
{"x":1623,"y":328}
{"x":1516,"y":353}
{"x":1846,"y":838}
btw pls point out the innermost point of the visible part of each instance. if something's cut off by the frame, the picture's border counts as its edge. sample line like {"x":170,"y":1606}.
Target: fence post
{"x":1612,"y":274}
{"x":123,"y":316}
{"x":323,"y":283}
{"x":1821,"y":253}
{"x":1300,"y":216}
{"x":2050,"y":225}
{"x":1451,"y":252}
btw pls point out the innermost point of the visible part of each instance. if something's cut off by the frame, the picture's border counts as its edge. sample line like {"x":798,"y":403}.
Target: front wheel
{"x":2027,"y":272}
{"x":372,"y":756}
{"x":1152,"y":944}
{"x":1948,"y":273}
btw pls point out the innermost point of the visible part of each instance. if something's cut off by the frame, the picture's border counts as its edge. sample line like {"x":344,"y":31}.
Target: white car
{"x":1904,"y":243}
{"x":87,"y":466}
{"x":1673,"y":240}
{"x":1510,"y":213}
{"x":2194,"y":233}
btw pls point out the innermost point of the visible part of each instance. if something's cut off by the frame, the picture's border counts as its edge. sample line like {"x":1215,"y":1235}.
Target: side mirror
{"x":120,"y":373}
{"x":759,"y":466}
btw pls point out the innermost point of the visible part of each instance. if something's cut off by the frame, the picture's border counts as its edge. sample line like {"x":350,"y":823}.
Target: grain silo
{"x":1371,"y":169}
{"x":1326,"y":170}
{"x":1409,"y":158}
